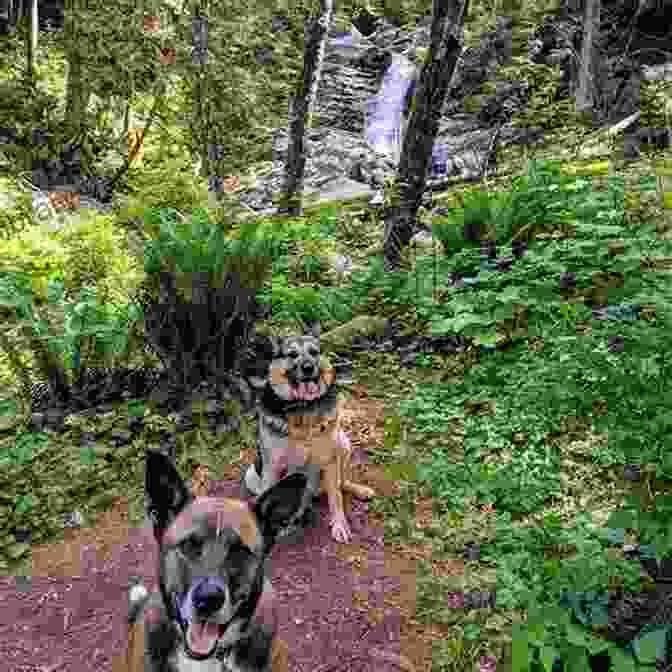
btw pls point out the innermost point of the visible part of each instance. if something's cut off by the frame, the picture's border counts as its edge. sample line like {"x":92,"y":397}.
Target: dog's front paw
{"x":340,"y":530}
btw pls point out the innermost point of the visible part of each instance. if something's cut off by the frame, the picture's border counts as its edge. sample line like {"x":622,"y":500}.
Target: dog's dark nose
{"x":308,"y":368}
{"x":209,"y":596}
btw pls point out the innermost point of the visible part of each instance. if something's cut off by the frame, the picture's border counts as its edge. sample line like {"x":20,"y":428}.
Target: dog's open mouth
{"x":202,"y":638}
{"x":304,"y":391}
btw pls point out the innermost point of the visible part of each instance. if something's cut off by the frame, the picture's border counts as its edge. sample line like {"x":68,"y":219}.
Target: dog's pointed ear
{"x":327,"y":371}
{"x":313,"y":329}
{"x":166,"y":493}
{"x":278,"y":505}
{"x":276,"y":344}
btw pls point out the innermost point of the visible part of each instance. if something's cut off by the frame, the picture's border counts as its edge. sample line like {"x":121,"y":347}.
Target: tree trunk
{"x":423,"y":125}
{"x":26,"y":33}
{"x":586,"y":92}
{"x":300,"y":110}
{"x":199,"y":123}
{"x":34,"y":28}
{"x":77,"y":93}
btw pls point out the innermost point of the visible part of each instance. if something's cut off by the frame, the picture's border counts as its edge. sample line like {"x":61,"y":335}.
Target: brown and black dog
{"x":214,"y":609}
{"x":299,"y":429}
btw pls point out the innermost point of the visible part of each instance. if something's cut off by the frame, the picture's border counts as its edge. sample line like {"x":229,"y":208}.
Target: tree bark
{"x":34,"y":28}
{"x":585,"y":100}
{"x":26,"y":32}
{"x":200,"y":126}
{"x":77,"y":92}
{"x":300,"y":110}
{"x":423,"y":124}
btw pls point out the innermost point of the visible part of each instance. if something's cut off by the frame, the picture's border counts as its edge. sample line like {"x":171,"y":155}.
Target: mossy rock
{"x":342,"y":336}
{"x":311,"y":260}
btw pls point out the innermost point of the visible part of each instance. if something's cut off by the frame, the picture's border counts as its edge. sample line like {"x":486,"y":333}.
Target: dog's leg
{"x":340,"y":530}
{"x":278,"y":465}
{"x":134,"y":660}
{"x":257,"y":476}
{"x":359,"y":491}
{"x":313,"y":474}
{"x":136,"y":648}
{"x":279,"y":656}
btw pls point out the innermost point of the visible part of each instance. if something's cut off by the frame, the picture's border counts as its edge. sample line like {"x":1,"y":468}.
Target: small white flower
{"x":73,"y":519}
{"x":377,"y":199}
{"x":342,"y":264}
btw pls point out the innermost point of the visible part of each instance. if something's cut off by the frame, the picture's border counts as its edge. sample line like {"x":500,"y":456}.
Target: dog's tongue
{"x":305,"y":391}
{"x":202,"y":637}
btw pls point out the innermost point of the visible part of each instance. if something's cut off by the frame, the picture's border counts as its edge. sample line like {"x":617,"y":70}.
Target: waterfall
{"x":385,"y":125}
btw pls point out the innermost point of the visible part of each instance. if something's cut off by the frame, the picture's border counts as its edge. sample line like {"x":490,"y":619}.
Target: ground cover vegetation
{"x":543,"y":447}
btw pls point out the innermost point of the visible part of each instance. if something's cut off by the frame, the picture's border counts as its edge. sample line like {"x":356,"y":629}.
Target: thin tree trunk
{"x":423,"y":125}
{"x":199,"y":120}
{"x":34,"y":27}
{"x":26,"y":33}
{"x":77,"y":93}
{"x":301,"y":107}
{"x":585,"y":100}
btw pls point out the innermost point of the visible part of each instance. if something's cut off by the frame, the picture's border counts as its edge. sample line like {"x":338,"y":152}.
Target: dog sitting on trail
{"x":298,"y":429}
{"x":214,"y":610}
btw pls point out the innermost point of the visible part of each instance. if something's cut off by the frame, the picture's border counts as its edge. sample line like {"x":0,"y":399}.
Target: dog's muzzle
{"x":202,"y":637}
{"x":309,"y":370}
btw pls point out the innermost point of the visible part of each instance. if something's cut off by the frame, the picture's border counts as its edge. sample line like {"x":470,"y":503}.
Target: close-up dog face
{"x":297,"y":373}
{"x":212,"y":553}
{"x":212,"y":574}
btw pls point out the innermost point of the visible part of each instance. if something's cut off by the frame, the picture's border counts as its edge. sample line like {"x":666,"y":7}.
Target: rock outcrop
{"x":354,"y":72}
{"x":634,"y":44}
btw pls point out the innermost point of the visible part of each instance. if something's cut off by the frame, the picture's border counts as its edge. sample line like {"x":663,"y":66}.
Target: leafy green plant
{"x":17,"y":218}
{"x":544,"y":197}
{"x":198,"y":245}
{"x":450,"y":232}
{"x":328,"y":221}
{"x":541,"y":198}
{"x":654,"y":526}
{"x":550,"y":642}
{"x":568,"y":314}
{"x":99,"y":331}
{"x":297,"y":303}
{"x":203,"y":292}
{"x":476,"y":215}
{"x":167,"y":184}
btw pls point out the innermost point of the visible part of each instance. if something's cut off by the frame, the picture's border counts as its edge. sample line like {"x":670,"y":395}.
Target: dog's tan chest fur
{"x":314,"y":439}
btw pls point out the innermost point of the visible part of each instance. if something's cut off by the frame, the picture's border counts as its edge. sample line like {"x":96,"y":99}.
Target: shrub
{"x":96,"y":255}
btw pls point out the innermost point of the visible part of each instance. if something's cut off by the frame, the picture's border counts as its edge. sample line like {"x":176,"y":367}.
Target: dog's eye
{"x":241,"y":567}
{"x":293,"y":355}
{"x":314,"y":352}
{"x":192,"y":546}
